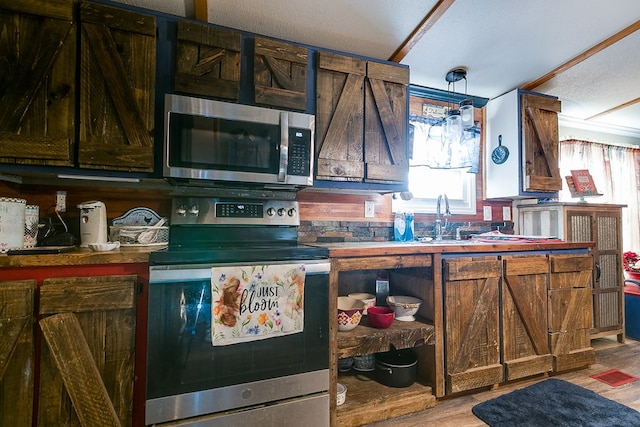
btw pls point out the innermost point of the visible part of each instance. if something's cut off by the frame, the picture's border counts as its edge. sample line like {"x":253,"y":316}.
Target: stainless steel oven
{"x":283,"y":379}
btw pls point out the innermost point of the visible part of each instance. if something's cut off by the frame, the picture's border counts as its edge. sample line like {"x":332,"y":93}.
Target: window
{"x":426,"y":182}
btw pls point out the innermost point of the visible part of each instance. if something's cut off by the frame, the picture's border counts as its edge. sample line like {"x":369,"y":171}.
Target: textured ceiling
{"x":504,"y":44}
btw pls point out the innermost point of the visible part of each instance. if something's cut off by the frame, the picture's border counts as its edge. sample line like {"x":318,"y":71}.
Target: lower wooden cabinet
{"x":16,"y":352}
{"x":570,"y":311}
{"x":105,"y":305}
{"x":513,"y":316}
{"x":367,"y":400}
{"x":105,"y":308}
{"x":471,"y":319}
{"x":588,"y":222}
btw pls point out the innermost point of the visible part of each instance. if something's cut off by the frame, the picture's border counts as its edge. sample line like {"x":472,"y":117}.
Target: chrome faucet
{"x":447,"y":214}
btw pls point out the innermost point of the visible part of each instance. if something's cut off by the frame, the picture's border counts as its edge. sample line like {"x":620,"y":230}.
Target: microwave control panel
{"x":299,"y":152}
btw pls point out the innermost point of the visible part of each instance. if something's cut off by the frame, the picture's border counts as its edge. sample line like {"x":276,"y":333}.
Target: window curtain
{"x":616,"y":173}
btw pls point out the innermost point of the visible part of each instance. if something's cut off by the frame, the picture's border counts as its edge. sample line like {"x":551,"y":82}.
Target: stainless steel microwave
{"x":234,"y":144}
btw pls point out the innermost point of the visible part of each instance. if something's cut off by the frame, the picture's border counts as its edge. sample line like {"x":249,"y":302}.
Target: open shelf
{"x":369,"y":401}
{"x":365,"y":339}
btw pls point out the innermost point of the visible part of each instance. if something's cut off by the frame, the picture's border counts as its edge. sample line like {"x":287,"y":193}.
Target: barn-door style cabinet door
{"x":570,"y":311}
{"x":361,"y":120}
{"x":16,"y":352}
{"x":117,"y":88}
{"x":588,"y":222}
{"x":526,"y":123}
{"x":280,"y":74}
{"x":495,"y":320}
{"x":37,"y":87}
{"x":525,"y":347}
{"x":106,"y":311}
{"x":207,"y":61}
{"x":472,"y":323}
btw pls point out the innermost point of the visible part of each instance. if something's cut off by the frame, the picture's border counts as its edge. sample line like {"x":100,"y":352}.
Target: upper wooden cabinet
{"x":526,"y":123}
{"x":37,"y":88}
{"x":361,"y":120}
{"x":116,"y":69}
{"x":280,"y":74}
{"x":117,"y":88}
{"x":207,"y":61}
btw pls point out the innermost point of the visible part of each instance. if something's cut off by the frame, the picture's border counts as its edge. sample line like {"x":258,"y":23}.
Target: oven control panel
{"x":200,"y":210}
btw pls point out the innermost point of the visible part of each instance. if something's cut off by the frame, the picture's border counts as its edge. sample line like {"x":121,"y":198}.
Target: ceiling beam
{"x":201,"y":10}
{"x":432,"y":17}
{"x":616,"y":108}
{"x":585,"y":55}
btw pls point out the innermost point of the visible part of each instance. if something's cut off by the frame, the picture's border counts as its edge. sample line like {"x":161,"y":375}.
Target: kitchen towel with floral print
{"x":256,"y":302}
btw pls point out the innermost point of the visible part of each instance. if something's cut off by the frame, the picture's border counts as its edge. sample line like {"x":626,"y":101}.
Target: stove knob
{"x":182,"y":211}
{"x":194,"y":210}
{"x":281,"y":212}
{"x":291,"y":212}
{"x":271,"y":212}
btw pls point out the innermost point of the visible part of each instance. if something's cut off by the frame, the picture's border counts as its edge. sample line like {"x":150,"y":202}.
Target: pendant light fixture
{"x":461,"y":118}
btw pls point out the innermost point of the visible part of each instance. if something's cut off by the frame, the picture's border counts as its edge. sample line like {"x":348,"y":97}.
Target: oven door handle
{"x":284,"y":146}
{"x":164,"y":273}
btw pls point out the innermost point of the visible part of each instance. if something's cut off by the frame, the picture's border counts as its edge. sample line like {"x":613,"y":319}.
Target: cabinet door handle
{"x":597,"y":271}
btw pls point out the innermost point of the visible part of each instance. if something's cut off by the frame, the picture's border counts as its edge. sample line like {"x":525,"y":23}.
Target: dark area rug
{"x":555,"y":402}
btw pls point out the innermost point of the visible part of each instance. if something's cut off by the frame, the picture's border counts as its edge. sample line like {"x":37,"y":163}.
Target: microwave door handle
{"x":284,"y":146}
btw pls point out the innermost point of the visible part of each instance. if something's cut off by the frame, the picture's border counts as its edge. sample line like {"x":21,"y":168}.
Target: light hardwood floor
{"x":610,"y":354}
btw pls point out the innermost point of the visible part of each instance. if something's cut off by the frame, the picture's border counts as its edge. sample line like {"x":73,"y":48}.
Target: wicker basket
{"x":129,"y":235}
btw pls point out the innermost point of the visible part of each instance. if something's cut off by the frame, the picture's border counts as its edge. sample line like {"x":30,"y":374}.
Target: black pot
{"x":396,"y":368}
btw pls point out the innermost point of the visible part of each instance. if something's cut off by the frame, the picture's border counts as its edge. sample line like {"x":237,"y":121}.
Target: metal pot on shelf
{"x":396,"y":368}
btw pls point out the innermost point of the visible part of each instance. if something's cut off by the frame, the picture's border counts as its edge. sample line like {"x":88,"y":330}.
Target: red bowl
{"x":380,"y":317}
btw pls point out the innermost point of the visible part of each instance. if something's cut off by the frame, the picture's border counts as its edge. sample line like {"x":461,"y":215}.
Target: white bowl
{"x":342,"y":394}
{"x":349,"y":313}
{"x":404,"y":306}
{"x":104,"y":247}
{"x":369,"y":300}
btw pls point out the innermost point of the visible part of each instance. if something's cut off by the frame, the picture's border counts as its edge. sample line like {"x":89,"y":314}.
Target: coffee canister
{"x":31,"y":220}
{"x":12,"y":213}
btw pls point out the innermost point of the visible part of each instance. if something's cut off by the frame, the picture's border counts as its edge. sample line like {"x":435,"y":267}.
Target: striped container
{"x":12,"y":213}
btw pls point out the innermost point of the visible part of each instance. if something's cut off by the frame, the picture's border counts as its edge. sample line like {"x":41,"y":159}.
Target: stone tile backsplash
{"x":363,"y":231}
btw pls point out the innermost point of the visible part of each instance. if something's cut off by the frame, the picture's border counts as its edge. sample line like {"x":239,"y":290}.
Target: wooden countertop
{"x":80,"y":256}
{"x":123,"y":255}
{"x":358,"y":249}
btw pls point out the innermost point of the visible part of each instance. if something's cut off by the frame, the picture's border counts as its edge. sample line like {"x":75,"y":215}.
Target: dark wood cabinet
{"x":117,"y":88}
{"x":37,"y":88}
{"x":39,"y":99}
{"x":570,"y":311}
{"x":17,"y":374}
{"x":472,"y":323}
{"x":106,"y":310}
{"x":280,"y":74}
{"x":361,"y":120}
{"x":109,"y":303}
{"x":525,"y":346}
{"x":207,"y":61}
{"x":526,"y":123}
{"x":513,"y":316}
